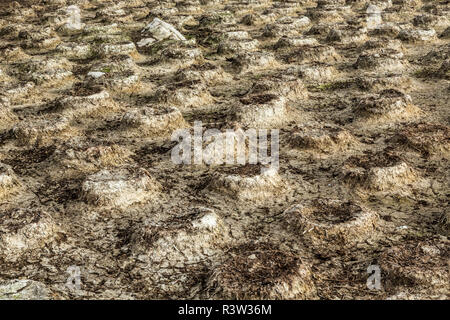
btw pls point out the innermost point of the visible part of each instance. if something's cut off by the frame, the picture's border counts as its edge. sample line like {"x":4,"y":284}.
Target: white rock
{"x":208,"y":221}
{"x":23,"y":290}
{"x":161,"y":30}
{"x":96,"y":74}
{"x":145,"y":42}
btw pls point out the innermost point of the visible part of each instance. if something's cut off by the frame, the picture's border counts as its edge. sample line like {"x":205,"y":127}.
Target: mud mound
{"x":174,"y":253}
{"x":258,"y":271}
{"x":343,"y":107}
{"x":415,"y":265}
{"x":331,"y":222}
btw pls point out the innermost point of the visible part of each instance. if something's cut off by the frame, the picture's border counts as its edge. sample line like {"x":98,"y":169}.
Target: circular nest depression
{"x":260,"y":271}
{"x":334,"y":222}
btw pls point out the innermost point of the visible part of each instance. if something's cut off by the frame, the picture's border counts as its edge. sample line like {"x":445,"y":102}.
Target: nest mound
{"x":84,"y":100}
{"x":9,"y":182}
{"x":42,"y":130}
{"x":389,"y":105}
{"x":186,"y":237}
{"x":228,"y":46}
{"x":258,"y":271}
{"x":23,"y":290}
{"x":384,"y":60}
{"x":383,"y":171}
{"x":119,"y":187}
{"x":377,"y":83}
{"x":324,"y":140}
{"x":44,"y":72}
{"x":173,"y":254}
{"x":313,"y":54}
{"x":429,"y":139}
{"x":24,"y":231}
{"x":185,"y":94}
{"x":417,"y":35}
{"x":444,"y":223}
{"x":331,"y":222}
{"x":207,"y":72}
{"x":286,"y":86}
{"x":254,"y":61}
{"x":317,"y":72}
{"x":248,"y":182}
{"x":416,"y":264}
{"x":151,"y":121}
{"x":348,"y":35}
{"x":7,"y":118}
{"x":75,"y":158}
{"x":119,"y":74}
{"x":262,"y":111}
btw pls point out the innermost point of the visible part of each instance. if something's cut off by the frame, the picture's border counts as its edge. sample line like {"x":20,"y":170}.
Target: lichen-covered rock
{"x":23,"y":290}
{"x":160,"y":30}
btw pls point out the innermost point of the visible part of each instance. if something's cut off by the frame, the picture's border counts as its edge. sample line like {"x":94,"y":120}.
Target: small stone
{"x":160,"y":30}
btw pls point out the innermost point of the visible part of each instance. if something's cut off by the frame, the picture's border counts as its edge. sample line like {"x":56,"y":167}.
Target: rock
{"x":160,"y":30}
{"x":145,"y":42}
{"x":23,"y":290}
{"x":96,"y":74}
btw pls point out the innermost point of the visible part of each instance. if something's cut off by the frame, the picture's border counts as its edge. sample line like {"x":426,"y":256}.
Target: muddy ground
{"x":357,"y":89}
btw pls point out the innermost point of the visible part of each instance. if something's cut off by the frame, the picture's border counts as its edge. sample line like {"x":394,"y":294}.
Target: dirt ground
{"x":359,"y":91}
